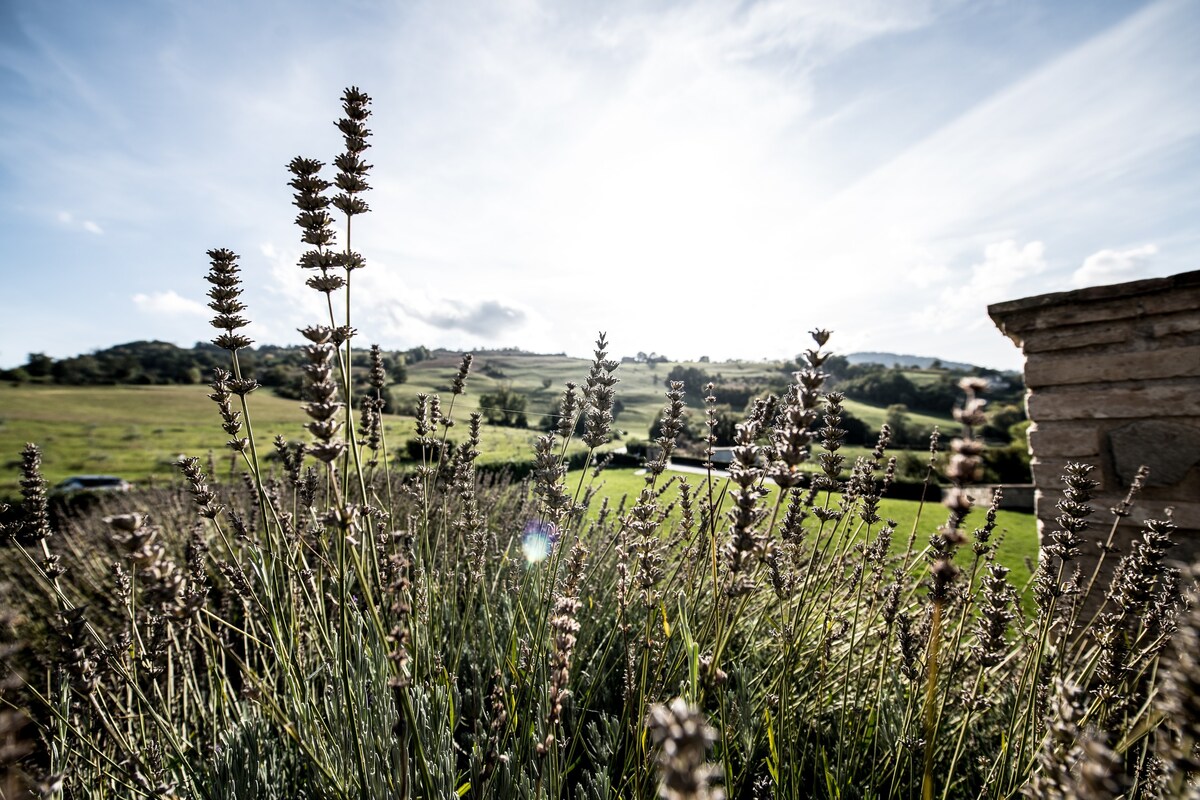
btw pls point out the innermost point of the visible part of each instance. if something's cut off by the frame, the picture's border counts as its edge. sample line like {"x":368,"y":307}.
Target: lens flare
{"x":537,"y":541}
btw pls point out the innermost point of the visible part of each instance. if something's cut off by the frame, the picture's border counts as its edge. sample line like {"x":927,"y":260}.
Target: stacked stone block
{"x":1113,"y":379}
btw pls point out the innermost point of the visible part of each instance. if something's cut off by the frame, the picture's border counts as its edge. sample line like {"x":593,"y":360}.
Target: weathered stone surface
{"x":1114,"y":380}
{"x":1098,"y":303}
{"x":1169,"y":449}
{"x":1180,"y":398}
{"x":1187,"y":323}
{"x":1042,"y":341}
{"x":1021,"y":324}
{"x":1104,"y":367}
{"x":1065,"y":439}
{"x":1185,"y":515}
{"x":1048,"y":472}
{"x":1015,"y":497}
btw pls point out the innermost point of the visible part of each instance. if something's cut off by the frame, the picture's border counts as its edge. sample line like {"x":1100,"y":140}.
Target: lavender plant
{"x":349,"y":626}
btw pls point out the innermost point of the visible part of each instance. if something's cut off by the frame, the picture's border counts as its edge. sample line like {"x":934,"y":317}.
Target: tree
{"x":881,"y":388}
{"x":397,"y":371}
{"x":898,"y":421}
{"x":504,"y":407}
{"x":857,"y":431}
{"x":836,"y":367}
{"x":38,"y":365}
{"x":18,"y":375}
{"x":694,"y":379}
{"x":417,"y":354}
{"x":1001,"y":421}
{"x":77,"y":371}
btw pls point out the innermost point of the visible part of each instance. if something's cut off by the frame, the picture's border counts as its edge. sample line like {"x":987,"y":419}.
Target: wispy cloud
{"x":1112,"y":266}
{"x":400,"y":311}
{"x":1057,"y":158}
{"x":489,"y":318}
{"x":1006,"y":269}
{"x":1039,"y":152}
{"x":68,"y":219}
{"x":168,"y":303}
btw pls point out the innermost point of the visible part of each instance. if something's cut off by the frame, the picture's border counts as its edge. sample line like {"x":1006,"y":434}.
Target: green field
{"x":640,"y":389}
{"x":1015,"y":532}
{"x":138,"y":432}
{"x":641,"y":386}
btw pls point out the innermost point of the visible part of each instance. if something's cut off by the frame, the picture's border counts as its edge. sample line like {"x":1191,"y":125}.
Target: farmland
{"x":138,"y":432}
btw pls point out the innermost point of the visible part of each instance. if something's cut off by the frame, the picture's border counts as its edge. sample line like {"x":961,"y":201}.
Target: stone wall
{"x":1015,"y":497}
{"x":1113,"y":379}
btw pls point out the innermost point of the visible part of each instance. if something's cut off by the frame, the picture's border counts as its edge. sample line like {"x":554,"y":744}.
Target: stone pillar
{"x":1112,"y":377}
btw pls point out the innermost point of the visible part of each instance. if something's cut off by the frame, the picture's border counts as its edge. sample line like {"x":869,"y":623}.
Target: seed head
{"x":226,"y":288}
{"x":599,"y":395}
{"x":458,"y":386}
{"x":204,"y":497}
{"x":352,"y":170}
{"x":314,"y":220}
{"x":378,"y":376}
{"x":35,"y":524}
{"x":684,"y":738}
{"x":568,"y":407}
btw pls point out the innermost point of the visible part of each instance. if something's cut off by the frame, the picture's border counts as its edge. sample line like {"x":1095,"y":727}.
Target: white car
{"x":93,"y":483}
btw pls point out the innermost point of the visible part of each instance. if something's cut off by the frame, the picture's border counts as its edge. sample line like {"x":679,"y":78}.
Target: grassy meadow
{"x":640,"y":390}
{"x":139,"y":432}
{"x":136,"y":432}
{"x":1015,"y":531}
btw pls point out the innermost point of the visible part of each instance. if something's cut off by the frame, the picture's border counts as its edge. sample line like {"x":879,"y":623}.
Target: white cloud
{"x":1114,"y":266}
{"x":168,"y":303}
{"x":926,"y":274}
{"x":489,"y":318}
{"x":68,"y":219}
{"x":1004,"y":273}
{"x":391,"y":308}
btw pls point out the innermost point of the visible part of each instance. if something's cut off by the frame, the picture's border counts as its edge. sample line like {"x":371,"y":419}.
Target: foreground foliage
{"x":338,"y":629}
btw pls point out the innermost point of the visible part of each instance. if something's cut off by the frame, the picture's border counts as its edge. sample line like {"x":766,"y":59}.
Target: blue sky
{"x":695,"y":178}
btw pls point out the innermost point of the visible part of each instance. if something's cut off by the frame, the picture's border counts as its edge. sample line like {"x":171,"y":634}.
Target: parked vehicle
{"x":92,"y":483}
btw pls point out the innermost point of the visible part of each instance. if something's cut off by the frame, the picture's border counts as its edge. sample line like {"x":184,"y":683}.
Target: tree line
{"x":163,"y":363}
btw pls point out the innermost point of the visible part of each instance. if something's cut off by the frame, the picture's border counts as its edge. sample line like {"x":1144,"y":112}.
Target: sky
{"x":705,"y":178}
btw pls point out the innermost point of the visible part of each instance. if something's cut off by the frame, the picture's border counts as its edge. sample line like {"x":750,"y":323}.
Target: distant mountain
{"x":901,"y":360}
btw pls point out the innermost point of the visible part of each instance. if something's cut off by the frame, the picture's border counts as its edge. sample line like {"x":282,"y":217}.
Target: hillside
{"x":138,"y":431}
{"x":902,"y":360}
